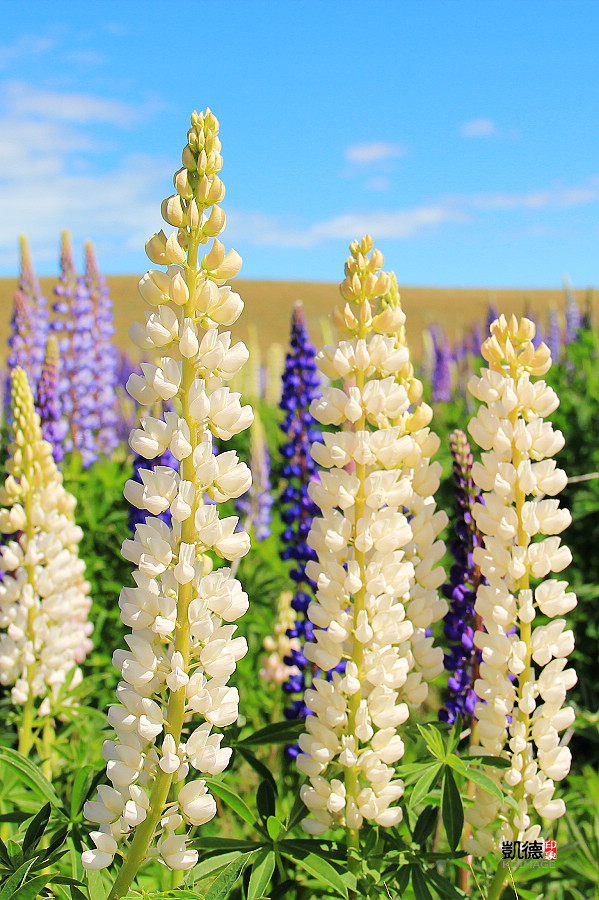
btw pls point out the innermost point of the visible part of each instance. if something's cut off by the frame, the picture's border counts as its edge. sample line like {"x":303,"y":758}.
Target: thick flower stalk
{"x":47,"y":401}
{"x":45,"y":602}
{"x":29,"y":322}
{"x":377,"y":575}
{"x":520,"y":719}
{"x":173,"y":697}
{"x":73,"y":325}
{"x":105,"y":357}
{"x":255,"y":506}
{"x":461,"y":622}
{"x":301,"y":386}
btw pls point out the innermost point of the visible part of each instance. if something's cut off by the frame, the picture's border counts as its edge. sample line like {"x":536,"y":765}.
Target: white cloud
{"x":375,"y":151}
{"x":479,"y":128}
{"x":26,"y":101}
{"x":25,"y":47}
{"x":377,"y":183}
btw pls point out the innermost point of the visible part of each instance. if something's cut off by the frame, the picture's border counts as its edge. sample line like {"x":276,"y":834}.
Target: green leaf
{"x":284,"y":890}
{"x":258,"y":767}
{"x":95,"y":885}
{"x":30,"y":774}
{"x":425,"y":824}
{"x":262,"y":871}
{"x":485,"y":782}
{"x":36,"y":828}
{"x":403,"y":877}
{"x":232,"y":799}
{"x":433,"y":741}
{"x":79,"y":791}
{"x":322,"y":870}
{"x":445,"y":888}
{"x":13,"y":881}
{"x":296,"y":813}
{"x":451,"y":809}
{"x":265,"y":800}
{"x":224,"y":845}
{"x":422,"y":788}
{"x":277,"y":733}
{"x":216,"y":863}
{"x":421,"y":891}
{"x":224,"y":882}
{"x":454,"y":737}
{"x":483,"y":759}
{"x":274,"y":828}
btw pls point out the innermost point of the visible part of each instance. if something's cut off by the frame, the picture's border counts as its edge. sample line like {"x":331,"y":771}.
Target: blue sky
{"x":462,"y":134}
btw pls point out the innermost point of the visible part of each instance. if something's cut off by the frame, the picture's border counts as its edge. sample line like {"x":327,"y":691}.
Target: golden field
{"x":269,"y":304}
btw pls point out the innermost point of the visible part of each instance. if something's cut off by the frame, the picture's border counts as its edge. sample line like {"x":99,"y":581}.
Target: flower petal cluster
{"x":44,"y":597}
{"x":47,"y":401}
{"x":301,"y":386}
{"x":524,"y":675}
{"x":29,"y":323}
{"x":73,"y":325}
{"x":174,"y":697}
{"x":461,"y":622}
{"x":377,"y":573}
{"x":105,"y":357}
{"x":255,"y":505}
{"x":279,"y":645}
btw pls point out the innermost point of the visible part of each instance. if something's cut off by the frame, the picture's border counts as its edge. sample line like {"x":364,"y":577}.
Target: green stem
{"x":497,"y":884}
{"x":47,"y":747}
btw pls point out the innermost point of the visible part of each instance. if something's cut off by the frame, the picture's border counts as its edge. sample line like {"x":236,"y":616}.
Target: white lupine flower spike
{"x":44,"y":597}
{"x":377,"y":572}
{"x":182,"y":649}
{"x":516,"y":477}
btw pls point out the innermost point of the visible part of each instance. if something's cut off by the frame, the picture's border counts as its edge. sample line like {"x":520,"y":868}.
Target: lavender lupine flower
{"x":301,"y":385}
{"x":29,"y":321}
{"x":442,"y":371}
{"x":74,"y":327}
{"x":461,"y":621}
{"x":255,"y":506}
{"x":572,"y":315}
{"x":47,"y":403}
{"x":554,"y":335}
{"x":492,"y":314}
{"x":106,"y":359}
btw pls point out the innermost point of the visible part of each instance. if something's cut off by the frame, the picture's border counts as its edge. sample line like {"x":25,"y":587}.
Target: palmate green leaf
{"x":286,"y":889}
{"x":452,"y":811}
{"x":14,"y":881}
{"x":433,"y":741}
{"x":80,"y":789}
{"x":262,"y":870}
{"x":421,"y":891}
{"x":443,"y":887}
{"x":277,"y":733}
{"x":296,"y":813}
{"x":478,"y":778}
{"x":403,"y":878}
{"x":224,"y":882}
{"x":95,"y":885}
{"x":30,"y":774}
{"x":265,"y":800}
{"x":422,"y":788}
{"x":481,"y":759}
{"x":232,"y":799}
{"x":224,"y":845}
{"x":35,"y":886}
{"x":274,"y":828}
{"x":217,"y":863}
{"x":322,"y":870}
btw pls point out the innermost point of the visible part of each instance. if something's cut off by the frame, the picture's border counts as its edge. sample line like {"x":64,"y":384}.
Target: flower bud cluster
{"x":279,"y":645}
{"x":461,"y":621}
{"x":523,"y":673}
{"x":44,"y":598}
{"x":29,"y":323}
{"x":47,"y":401}
{"x":377,"y":573}
{"x":181,"y":650}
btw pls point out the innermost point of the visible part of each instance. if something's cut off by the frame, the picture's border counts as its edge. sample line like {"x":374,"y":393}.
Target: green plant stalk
{"x":497,"y":884}
{"x":175,"y":714}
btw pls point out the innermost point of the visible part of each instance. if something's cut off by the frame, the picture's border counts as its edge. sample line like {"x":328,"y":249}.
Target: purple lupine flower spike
{"x":106,"y":359}
{"x":255,"y":505}
{"x":300,"y":386}
{"x":554,"y":335}
{"x":47,"y":404}
{"x":29,"y":321}
{"x":442,"y":371}
{"x":572,"y":315}
{"x":461,"y":621}
{"x":492,"y":314}
{"x":74,"y":324}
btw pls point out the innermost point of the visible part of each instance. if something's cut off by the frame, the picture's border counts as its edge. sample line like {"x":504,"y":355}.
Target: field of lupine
{"x":299,"y":630}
